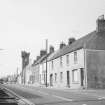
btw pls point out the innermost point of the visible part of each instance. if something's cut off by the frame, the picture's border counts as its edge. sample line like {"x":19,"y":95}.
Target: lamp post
{"x":46,"y":59}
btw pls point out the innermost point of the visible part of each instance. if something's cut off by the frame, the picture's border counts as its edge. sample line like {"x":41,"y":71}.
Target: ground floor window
{"x":61,"y":76}
{"x":75,"y":75}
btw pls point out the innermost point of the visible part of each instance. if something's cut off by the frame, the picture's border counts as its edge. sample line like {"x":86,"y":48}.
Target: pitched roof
{"x":52,"y":54}
{"x":92,"y":40}
{"x":41,"y":59}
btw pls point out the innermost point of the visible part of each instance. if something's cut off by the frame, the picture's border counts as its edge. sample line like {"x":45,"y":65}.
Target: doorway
{"x":82,"y":76}
{"x":68,"y":79}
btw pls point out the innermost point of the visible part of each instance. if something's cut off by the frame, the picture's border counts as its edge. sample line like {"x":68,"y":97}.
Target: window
{"x":52,"y":64}
{"x":55,"y":77}
{"x":61,"y":76}
{"x":60,"y":61}
{"x":42,"y":75}
{"x":75,"y":57}
{"x":67,"y":59}
{"x":75,"y":75}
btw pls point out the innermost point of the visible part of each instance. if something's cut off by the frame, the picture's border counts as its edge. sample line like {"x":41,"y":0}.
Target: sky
{"x":26,"y":24}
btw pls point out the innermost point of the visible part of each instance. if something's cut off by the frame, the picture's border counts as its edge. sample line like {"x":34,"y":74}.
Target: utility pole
{"x":17,"y":71}
{"x":17,"y":75}
{"x":46,"y":59}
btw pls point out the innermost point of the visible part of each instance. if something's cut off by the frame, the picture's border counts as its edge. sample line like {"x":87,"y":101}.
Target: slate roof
{"x":41,"y":59}
{"x":92,"y":40}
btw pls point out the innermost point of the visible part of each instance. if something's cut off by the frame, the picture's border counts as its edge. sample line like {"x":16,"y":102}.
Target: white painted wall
{"x":28,"y":74}
{"x":43,"y":70}
{"x":71,"y":66}
{"x":19,"y":79}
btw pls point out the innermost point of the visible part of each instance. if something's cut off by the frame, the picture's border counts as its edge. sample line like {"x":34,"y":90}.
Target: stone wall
{"x":95,"y":61}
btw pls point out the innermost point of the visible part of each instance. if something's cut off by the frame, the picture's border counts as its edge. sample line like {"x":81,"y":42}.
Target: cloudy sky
{"x":25,"y":24}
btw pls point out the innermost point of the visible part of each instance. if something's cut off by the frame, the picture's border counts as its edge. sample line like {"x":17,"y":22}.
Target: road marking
{"x":21,"y":98}
{"x":84,"y":104}
{"x":100,"y":98}
{"x":62,"y":98}
{"x":43,"y":93}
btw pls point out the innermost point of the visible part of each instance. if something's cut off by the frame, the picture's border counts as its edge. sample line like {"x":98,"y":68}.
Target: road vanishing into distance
{"x":52,"y":96}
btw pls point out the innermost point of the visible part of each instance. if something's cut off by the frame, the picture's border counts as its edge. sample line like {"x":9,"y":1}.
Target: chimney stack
{"x":62,"y":45}
{"x":71,"y":40}
{"x":51,"y":50}
{"x":100,"y":24}
{"x":42,"y":52}
{"x":37,"y":58}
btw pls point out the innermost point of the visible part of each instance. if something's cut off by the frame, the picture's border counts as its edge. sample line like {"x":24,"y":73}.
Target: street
{"x":50,"y":96}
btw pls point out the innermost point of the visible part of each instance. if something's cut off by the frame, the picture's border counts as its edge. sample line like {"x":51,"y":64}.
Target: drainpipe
{"x":85,"y":66}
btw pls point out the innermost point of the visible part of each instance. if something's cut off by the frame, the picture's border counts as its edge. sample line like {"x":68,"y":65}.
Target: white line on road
{"x":43,"y":93}
{"x":62,"y":98}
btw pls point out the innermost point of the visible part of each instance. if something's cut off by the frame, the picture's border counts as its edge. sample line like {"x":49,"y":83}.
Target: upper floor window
{"x":52,"y":64}
{"x":55,"y":77}
{"x":75,"y":57}
{"x":60,"y":61}
{"x":67,"y":59}
{"x":61,"y":76}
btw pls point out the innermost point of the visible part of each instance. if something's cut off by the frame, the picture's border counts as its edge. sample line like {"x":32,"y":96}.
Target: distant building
{"x":25,"y":62}
{"x":39,"y":67}
{"x":19,"y":80}
{"x":29,"y":73}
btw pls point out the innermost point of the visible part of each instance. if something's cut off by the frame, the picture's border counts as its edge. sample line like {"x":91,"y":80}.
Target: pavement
{"x":56,"y":96}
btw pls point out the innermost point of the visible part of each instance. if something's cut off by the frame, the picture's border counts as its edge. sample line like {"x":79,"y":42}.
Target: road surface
{"x":49,"y":96}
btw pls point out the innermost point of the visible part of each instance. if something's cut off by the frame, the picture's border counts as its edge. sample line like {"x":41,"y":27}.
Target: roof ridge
{"x":91,"y":38}
{"x":79,"y":43}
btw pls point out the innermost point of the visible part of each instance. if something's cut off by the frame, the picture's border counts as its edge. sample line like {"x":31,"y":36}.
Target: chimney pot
{"x":51,"y":50}
{"x":62,"y":45}
{"x":71,"y":40}
{"x":100,"y":24}
{"x":42,"y":52}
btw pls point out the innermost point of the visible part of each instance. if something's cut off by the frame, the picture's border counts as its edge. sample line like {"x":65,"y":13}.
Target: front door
{"x":68,"y":79}
{"x":51,"y":79}
{"x":82,"y":76}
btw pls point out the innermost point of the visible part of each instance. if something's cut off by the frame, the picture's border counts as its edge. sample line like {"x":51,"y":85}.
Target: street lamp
{"x":46,"y":59}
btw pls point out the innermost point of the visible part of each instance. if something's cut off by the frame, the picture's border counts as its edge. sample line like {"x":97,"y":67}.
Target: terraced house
{"x":81,"y":63}
{"x":43,"y":68}
{"x":78,"y":65}
{"x":38,"y":68}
